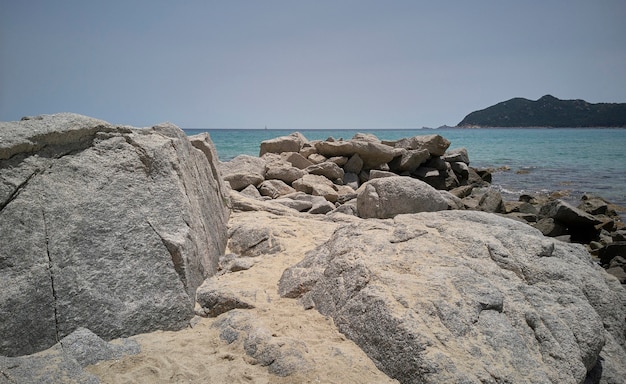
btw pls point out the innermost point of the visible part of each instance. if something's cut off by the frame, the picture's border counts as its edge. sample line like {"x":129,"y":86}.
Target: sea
{"x":570,"y":161}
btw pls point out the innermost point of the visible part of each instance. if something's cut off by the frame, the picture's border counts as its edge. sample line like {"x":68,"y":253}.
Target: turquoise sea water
{"x":540,"y":160}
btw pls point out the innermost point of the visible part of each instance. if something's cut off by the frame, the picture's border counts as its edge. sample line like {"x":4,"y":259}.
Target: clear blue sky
{"x":304,"y":64}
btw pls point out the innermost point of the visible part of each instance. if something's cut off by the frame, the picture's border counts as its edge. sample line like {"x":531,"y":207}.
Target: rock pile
{"x":373,"y":178}
{"x":342,"y":175}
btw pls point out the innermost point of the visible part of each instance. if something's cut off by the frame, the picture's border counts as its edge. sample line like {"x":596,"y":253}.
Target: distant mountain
{"x":548,"y":111}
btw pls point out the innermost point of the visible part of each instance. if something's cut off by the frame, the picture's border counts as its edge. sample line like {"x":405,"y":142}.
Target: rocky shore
{"x":133,"y":255}
{"x":360,"y":177}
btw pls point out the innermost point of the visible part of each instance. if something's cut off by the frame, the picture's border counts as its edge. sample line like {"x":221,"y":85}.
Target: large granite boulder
{"x":467,"y":297}
{"x":389,"y":196}
{"x":104,"y":227}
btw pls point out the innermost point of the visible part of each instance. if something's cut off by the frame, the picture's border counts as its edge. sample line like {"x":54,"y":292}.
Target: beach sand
{"x":198,"y":355}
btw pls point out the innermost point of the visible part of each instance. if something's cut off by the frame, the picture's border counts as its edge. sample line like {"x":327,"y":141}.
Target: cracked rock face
{"x":104,"y":227}
{"x":457,"y":296}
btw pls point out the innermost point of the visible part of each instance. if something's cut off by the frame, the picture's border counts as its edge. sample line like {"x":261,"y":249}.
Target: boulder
{"x":242,"y":171}
{"x":339,"y":160}
{"x":289,"y":143}
{"x":491,"y":201}
{"x":251,"y":191}
{"x":567,"y":214}
{"x":316,"y":158}
{"x":466,"y":297}
{"x":376,"y":174}
{"x":318,"y":186}
{"x":282,"y":356}
{"x":284,"y":172}
{"x":252,"y":239}
{"x":457,"y":155}
{"x":435,"y":144}
{"x":351,"y":179}
{"x":65,"y":361}
{"x":275,"y":188}
{"x":409,"y":160}
{"x":366,"y":137}
{"x":328,"y":169}
{"x":389,"y":196}
{"x":372,"y":154}
{"x":296,"y":159}
{"x":298,"y":205}
{"x":354,"y":164}
{"x":104,"y":227}
{"x":215,"y":298}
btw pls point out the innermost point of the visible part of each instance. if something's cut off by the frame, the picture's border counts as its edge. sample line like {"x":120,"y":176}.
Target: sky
{"x":295,"y":64}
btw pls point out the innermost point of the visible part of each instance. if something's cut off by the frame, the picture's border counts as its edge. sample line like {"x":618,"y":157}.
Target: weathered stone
{"x":549,"y":227}
{"x":460,"y":169}
{"x":457,"y":155}
{"x":297,"y":160}
{"x":112,"y":230}
{"x":339,"y":160}
{"x":424,"y":294}
{"x":366,"y":137}
{"x":242,"y":171}
{"x":308,"y":150}
{"x":275,"y":188}
{"x":316,"y":158}
{"x":251,"y":191}
{"x":594,"y":206}
{"x":376,"y":174}
{"x":328,"y":169}
{"x":65,"y":361}
{"x":390,"y":196}
{"x":215,"y":299}
{"x":283,"y":356}
{"x":351,"y":180}
{"x":435,"y":144}
{"x":298,"y":205}
{"x":409,"y":160}
{"x":318,"y":186}
{"x":290,"y":143}
{"x":491,"y":201}
{"x":567,"y":214}
{"x":286,"y":173}
{"x":252,"y":239}
{"x":354,"y":164}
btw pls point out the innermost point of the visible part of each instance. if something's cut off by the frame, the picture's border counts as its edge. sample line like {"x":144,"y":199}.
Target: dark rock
{"x":609,"y":251}
{"x":549,"y":227}
{"x":354,"y":164}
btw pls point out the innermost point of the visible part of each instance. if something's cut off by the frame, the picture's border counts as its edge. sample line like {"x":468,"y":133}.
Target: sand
{"x":197,"y":355}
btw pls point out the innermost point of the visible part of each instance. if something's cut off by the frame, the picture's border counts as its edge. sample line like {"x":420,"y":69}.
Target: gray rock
{"x":242,"y":171}
{"x":457,"y":155}
{"x":327,"y":169}
{"x":290,"y":143}
{"x":113,"y":232}
{"x":321,"y":206}
{"x":296,"y":159}
{"x":275,"y":188}
{"x":354,"y":164}
{"x":568,"y":215}
{"x":491,"y":201}
{"x":318,"y":186}
{"x":282,"y":356}
{"x":460,"y":169}
{"x":460,"y":296}
{"x":64,"y":362}
{"x":339,"y":160}
{"x":435,"y":144}
{"x":376,"y":174}
{"x":549,"y":227}
{"x":298,"y":205}
{"x":215,"y":299}
{"x":390,"y":196}
{"x":285,"y":173}
{"x":351,"y":180}
{"x":373,"y":154}
{"x":316,"y":158}
{"x":409,"y":160}
{"x":252,"y":239}
{"x":251,"y":191}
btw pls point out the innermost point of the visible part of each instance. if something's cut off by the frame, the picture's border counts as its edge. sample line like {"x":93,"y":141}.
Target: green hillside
{"x":548,"y":111}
